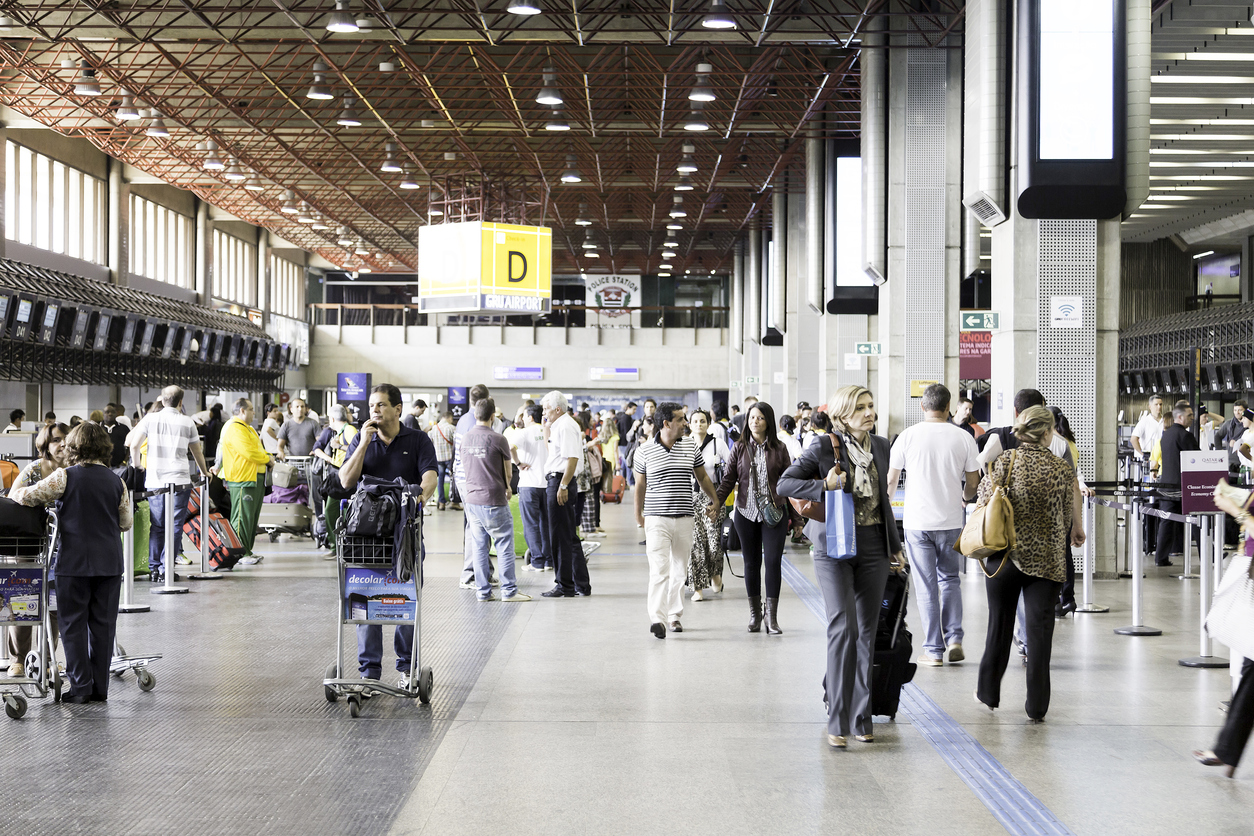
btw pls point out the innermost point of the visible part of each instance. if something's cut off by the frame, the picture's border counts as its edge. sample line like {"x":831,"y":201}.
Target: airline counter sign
{"x":481,"y":266}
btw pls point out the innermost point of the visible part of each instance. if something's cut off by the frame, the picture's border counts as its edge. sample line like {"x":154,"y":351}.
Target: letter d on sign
{"x":512,"y":255}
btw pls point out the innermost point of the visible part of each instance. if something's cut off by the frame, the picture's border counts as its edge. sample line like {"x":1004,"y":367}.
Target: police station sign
{"x":614,"y":295}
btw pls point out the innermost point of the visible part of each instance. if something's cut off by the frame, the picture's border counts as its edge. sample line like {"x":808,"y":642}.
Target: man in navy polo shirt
{"x":387,"y":449}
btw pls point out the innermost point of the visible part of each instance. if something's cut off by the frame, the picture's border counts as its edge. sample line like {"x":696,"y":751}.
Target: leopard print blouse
{"x":1040,"y":491}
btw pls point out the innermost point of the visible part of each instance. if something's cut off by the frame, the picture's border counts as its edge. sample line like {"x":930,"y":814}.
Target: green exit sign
{"x":980,"y":321}
{"x":874,"y":349}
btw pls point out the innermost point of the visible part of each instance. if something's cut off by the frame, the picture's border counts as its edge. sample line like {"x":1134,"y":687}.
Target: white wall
{"x":432,"y":358}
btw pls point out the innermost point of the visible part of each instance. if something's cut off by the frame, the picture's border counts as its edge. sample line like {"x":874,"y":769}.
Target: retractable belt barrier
{"x":127,"y":603}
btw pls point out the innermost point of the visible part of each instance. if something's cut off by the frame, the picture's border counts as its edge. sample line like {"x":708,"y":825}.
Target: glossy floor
{"x":567,"y":716}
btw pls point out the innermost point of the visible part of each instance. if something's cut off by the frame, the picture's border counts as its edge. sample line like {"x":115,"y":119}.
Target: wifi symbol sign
{"x":1066,"y":310}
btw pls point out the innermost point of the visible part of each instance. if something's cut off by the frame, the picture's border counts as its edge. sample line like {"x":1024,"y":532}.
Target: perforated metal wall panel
{"x":926,"y":91}
{"x":1066,"y":358}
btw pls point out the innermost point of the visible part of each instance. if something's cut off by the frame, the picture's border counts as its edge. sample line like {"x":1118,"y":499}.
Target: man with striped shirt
{"x":665,"y":468}
{"x":171,"y":435}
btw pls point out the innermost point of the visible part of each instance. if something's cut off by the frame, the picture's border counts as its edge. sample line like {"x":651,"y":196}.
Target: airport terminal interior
{"x":581,"y":206}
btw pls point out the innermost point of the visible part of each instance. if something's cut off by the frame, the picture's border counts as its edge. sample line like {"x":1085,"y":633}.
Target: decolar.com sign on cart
{"x":376,"y":595}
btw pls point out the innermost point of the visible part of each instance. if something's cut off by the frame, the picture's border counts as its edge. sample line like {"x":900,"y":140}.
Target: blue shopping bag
{"x":841,"y":542}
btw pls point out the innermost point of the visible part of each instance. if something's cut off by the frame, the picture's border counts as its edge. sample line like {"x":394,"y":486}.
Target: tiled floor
{"x":567,"y":716}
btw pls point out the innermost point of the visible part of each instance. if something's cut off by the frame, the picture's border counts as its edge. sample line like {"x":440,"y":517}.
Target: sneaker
{"x":486,"y":600}
{"x":183,"y":560}
{"x":697,"y":596}
{"x":589,"y":548}
{"x":954,"y":652}
{"x":467,"y":585}
{"x":17,"y":670}
{"x":517,"y":598}
{"x":402,"y":681}
{"x":456,"y":506}
{"x":251,"y":559}
{"x":930,"y":661}
{"x":530,"y":568}
{"x":494,"y":581}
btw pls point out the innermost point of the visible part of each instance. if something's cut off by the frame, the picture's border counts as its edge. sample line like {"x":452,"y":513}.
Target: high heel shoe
{"x":1209,"y":758}
{"x":1063,"y":610}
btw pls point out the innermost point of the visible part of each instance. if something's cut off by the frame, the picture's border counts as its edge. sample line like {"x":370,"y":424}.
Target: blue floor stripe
{"x":1017,"y":809}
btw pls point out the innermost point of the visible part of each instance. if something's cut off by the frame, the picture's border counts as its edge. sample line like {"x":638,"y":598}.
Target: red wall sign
{"x":975,"y":355}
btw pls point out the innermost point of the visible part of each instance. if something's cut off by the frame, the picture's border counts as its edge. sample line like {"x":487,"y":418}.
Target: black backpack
{"x":372,"y":513}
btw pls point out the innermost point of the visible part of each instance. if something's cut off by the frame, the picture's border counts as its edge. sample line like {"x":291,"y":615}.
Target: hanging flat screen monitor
{"x":22,"y":317}
{"x":145,"y":342}
{"x":78,"y":331}
{"x":232,"y":357}
{"x":6,"y":303}
{"x":219,"y":346}
{"x":185,"y":347}
{"x":127,"y":345}
{"x":168,"y":343}
{"x":46,"y":332}
{"x":100,"y":338}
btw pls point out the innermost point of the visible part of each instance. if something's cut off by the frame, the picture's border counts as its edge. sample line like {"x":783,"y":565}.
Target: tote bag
{"x":838,"y":509}
{"x":1231,"y":617}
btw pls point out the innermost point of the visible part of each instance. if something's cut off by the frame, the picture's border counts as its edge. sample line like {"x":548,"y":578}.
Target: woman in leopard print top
{"x":1041,"y":490}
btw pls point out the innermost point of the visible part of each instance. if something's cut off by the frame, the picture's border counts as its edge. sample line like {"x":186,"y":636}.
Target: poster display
{"x":458,"y":401}
{"x":376,"y":595}
{"x":19,"y":595}
{"x":975,"y":355}
{"x":352,"y":390}
{"x":614,"y":295}
{"x":1200,"y":471}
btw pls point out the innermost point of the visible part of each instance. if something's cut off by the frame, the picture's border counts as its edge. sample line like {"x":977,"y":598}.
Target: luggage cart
{"x":121,"y":663}
{"x":365,"y":564}
{"x":288,"y":517}
{"x":26,"y":601}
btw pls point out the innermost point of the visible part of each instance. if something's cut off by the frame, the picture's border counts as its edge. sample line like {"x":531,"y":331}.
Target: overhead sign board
{"x":518,"y":373}
{"x":975,"y":355}
{"x":980,"y":321}
{"x":873,"y":349}
{"x":599,"y":373}
{"x":482,"y":266}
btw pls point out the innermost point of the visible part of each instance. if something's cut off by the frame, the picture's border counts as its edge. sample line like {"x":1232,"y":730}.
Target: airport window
{"x":161,"y":243}
{"x":287,"y":283}
{"x":53,"y":206}
{"x":234,"y":269}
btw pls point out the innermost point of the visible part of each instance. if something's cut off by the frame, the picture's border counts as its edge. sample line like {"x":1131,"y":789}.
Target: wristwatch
{"x":564,"y":487}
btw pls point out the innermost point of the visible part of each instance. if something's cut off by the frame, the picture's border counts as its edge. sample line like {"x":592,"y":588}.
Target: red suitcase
{"x":225,"y":548}
{"x":619,"y":486}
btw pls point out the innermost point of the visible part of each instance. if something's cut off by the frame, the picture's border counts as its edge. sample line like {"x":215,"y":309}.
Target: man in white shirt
{"x":530,"y":452}
{"x":565,"y":451}
{"x":1150,"y":428}
{"x":937,"y":456}
{"x":171,"y":435}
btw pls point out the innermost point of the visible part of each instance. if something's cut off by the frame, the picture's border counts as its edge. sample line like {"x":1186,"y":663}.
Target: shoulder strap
{"x":1005,"y":479}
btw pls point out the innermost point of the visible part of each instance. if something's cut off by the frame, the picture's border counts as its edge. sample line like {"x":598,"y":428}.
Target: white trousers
{"x":668,"y":542}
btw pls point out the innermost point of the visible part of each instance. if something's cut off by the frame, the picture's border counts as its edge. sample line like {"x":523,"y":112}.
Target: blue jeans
{"x":488,"y":525}
{"x":533,"y":508}
{"x":156,"y":534}
{"x":370,"y":649}
{"x":935,"y":567}
{"x":443,"y":469}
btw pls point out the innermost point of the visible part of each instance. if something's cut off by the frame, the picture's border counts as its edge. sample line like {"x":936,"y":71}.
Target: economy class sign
{"x":517,"y":268}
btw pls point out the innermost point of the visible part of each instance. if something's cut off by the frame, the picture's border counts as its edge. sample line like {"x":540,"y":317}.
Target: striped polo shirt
{"x":669,"y":474}
{"x":170,"y":433}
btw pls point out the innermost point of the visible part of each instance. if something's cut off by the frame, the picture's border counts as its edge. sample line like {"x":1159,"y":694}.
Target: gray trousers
{"x":853,"y":592}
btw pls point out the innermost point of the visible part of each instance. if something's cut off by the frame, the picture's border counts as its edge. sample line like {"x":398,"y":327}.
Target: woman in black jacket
{"x":757,"y":461}
{"x":853,"y":588}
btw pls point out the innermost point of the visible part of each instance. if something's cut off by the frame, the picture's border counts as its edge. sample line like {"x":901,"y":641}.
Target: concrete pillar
{"x":119,"y":231}
{"x":263,"y":274}
{"x":203,"y":254}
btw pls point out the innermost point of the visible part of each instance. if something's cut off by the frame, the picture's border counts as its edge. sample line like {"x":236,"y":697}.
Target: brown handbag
{"x":990,"y":530}
{"x":814,"y":509}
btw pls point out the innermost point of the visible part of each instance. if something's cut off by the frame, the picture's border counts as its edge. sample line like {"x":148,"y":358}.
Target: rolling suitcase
{"x":892,"y":666}
{"x":225,"y":548}
{"x":618,"y":488}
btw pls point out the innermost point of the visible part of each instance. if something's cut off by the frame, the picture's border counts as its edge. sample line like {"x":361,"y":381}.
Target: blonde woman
{"x":853,"y":588}
{"x":1041,"y":488}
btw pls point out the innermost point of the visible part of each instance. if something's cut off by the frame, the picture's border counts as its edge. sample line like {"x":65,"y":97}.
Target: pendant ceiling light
{"x":408,"y":183}
{"x":305,"y":215}
{"x":233,"y":172}
{"x":361,"y":248}
{"x":696,"y":122}
{"x":549,"y":94}
{"x":341,"y":20}
{"x":687,"y":163}
{"x":674,"y":225}
{"x":390,"y":164}
{"x":212,"y":161}
{"x":571,"y":174}
{"x":344,"y":240}
{"x":319,"y":91}
{"x":289,"y":206}
{"x":319,"y":222}
{"x":348,"y":117}
{"x":582,"y":218}
{"x":156,"y":127}
{"x":127,"y":111}
{"x":703,"y":92}
{"x":523,"y":7}
{"x":591,"y":254}
{"x":87,"y":84}
{"x":718,"y":17}
{"x":435,"y":211}
{"x":677,"y":210}
{"x":556,"y":122}
{"x":684,"y":185}
{"x":254,"y":184}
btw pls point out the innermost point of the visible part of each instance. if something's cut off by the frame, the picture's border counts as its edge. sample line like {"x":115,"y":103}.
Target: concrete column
{"x":263,"y":273}
{"x":800,"y":349}
{"x":815,"y":297}
{"x":4,"y":233}
{"x":779,"y":269}
{"x":119,"y":232}
{"x":203,"y":254}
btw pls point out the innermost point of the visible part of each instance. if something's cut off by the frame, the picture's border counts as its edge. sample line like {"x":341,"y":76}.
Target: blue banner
{"x":458,"y":401}
{"x":352,"y":386}
{"x":376,"y":595}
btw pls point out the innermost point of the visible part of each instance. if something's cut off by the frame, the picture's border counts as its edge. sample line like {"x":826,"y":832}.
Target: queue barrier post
{"x":1090,"y":518}
{"x":127,"y":603}
{"x":205,"y":573}
{"x":1138,"y":627}
{"x":1212,"y":536}
{"x":1188,"y":573}
{"x":167,"y":520}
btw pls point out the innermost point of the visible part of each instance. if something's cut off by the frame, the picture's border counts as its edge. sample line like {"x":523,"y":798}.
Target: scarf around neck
{"x":860,"y":457}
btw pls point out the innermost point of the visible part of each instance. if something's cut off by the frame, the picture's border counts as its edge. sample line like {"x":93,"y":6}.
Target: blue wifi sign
{"x":1066,"y":312}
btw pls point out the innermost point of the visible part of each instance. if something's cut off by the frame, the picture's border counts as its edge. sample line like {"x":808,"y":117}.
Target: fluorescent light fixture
{"x":87,"y":85}
{"x":348,"y":117}
{"x":523,"y":7}
{"x":702,"y":92}
{"x":341,"y":21}
{"x":718,"y":16}
{"x":390,"y":164}
{"x":1203,"y":255}
{"x":289,"y":207}
{"x":212,"y":161}
{"x":1222,"y":56}
{"x":556,"y":122}
{"x":233,"y":172}
{"x":319,"y":91}
{"x":549,"y":94}
{"x":127,"y":111}
{"x":1201,"y":79}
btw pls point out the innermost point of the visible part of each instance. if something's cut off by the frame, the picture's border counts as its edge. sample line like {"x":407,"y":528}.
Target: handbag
{"x":770,"y":512}
{"x":813,"y":509}
{"x":990,"y":530}
{"x":1231,"y":617}
{"x":842,"y":541}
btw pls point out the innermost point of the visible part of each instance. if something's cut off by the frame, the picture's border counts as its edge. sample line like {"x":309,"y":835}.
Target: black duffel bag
{"x":372,"y":513}
{"x":21,"y":529}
